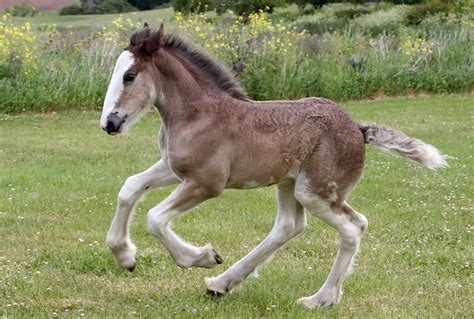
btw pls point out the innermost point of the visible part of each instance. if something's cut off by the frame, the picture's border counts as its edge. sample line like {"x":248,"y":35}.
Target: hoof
{"x":322,"y":299}
{"x":214,"y":293}
{"x":131,"y":269}
{"x":217,"y":257}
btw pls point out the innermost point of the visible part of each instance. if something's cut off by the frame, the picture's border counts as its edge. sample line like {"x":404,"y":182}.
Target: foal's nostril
{"x":110,"y":128}
{"x":114,"y":122}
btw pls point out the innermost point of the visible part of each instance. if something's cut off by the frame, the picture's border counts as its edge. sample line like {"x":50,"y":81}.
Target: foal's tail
{"x":412,"y":148}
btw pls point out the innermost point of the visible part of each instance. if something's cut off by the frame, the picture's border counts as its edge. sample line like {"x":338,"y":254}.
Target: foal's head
{"x":132,"y":89}
{"x":156,"y":69}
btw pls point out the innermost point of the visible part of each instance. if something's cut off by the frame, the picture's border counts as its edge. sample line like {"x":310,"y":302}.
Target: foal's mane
{"x":140,"y":45}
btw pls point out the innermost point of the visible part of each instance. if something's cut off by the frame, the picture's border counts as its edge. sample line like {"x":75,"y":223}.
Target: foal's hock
{"x":213,"y":137}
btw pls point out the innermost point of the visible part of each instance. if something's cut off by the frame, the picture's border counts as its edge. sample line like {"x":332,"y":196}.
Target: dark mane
{"x":220,"y":74}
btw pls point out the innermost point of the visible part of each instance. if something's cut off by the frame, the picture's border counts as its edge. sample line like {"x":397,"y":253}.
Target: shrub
{"x":17,"y":48}
{"x":416,"y":14}
{"x":319,"y":23}
{"x":73,"y":9}
{"x":351,"y":13}
{"x":273,"y":59}
{"x":315,"y":3}
{"x":246,"y":7}
{"x":406,"y":1}
{"x":192,"y":6}
{"x":389,"y":21}
{"x":75,"y":66}
{"x":337,"y":65}
{"x":462,"y":7}
{"x":21,"y":10}
{"x":147,"y":4}
{"x":336,"y":16}
{"x":443,"y":22}
{"x":109,"y":6}
{"x":287,"y":13}
{"x":242,"y":7}
{"x":99,"y":7}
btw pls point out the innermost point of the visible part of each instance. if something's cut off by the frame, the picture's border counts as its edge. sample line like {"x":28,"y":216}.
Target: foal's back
{"x":280,"y":139}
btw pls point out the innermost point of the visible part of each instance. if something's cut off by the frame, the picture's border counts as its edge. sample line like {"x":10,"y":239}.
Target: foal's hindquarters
{"x":323,"y":191}
{"x":321,"y":185}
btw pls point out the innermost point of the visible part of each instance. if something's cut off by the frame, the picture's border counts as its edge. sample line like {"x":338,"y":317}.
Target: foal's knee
{"x":129,"y":192}
{"x":156,"y":222}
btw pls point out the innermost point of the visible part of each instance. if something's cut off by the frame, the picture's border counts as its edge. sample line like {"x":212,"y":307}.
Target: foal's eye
{"x":129,"y":77}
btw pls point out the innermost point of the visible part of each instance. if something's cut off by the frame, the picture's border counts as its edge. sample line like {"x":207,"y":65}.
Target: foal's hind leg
{"x":291,"y":221}
{"x":186,"y":196}
{"x":350,"y":225}
{"x":118,"y":238}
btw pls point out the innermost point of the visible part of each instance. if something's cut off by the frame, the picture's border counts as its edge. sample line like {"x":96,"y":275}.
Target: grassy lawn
{"x":98,"y":20}
{"x":60,"y":175}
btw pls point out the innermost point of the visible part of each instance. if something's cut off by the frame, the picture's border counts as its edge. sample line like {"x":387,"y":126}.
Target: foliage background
{"x":340,"y":51}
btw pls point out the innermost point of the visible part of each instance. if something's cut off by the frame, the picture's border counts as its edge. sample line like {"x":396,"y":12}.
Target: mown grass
{"x":97,"y":20}
{"x":58,"y":183}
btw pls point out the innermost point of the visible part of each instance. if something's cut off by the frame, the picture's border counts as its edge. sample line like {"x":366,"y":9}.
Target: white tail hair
{"x":411,"y":148}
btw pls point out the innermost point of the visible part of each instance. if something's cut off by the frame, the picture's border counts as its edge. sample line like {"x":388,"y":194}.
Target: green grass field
{"x":60,"y":175}
{"x":98,"y":20}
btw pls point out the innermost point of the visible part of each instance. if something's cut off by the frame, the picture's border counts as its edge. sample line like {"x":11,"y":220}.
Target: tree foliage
{"x":98,"y":7}
{"x":21,"y":10}
{"x":242,"y":7}
{"x":147,"y":4}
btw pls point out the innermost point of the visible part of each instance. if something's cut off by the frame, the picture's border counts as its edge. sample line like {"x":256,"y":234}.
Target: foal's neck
{"x":185,"y":90}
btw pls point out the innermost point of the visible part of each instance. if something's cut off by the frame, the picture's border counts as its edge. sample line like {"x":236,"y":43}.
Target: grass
{"x":97,"y":20}
{"x":58,"y":183}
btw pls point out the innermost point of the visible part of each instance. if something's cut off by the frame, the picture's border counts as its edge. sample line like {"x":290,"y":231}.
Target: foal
{"x":213,"y":137}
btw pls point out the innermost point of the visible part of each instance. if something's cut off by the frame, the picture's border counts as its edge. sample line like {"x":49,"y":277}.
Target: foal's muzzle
{"x":114,"y":123}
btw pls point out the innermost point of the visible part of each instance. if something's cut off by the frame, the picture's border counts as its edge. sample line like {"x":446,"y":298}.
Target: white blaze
{"x":124,"y":62}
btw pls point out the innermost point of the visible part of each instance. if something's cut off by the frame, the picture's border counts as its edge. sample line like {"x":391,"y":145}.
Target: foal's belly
{"x":250,"y":184}
{"x":253,"y":172}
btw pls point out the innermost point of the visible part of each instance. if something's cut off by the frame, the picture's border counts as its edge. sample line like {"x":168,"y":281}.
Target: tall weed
{"x":53,"y":68}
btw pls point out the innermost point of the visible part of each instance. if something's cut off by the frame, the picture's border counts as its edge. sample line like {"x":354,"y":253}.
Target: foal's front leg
{"x":186,"y":196}
{"x":118,"y":238}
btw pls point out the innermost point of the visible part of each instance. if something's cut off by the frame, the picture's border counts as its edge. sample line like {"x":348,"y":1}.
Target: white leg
{"x":350,"y":225}
{"x":186,"y":196}
{"x":291,"y":221}
{"x":118,"y":237}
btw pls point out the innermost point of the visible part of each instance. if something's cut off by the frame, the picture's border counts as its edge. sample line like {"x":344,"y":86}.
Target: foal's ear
{"x":156,"y":40}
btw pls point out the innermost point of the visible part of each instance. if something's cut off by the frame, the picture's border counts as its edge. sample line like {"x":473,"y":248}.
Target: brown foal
{"x":213,"y":137}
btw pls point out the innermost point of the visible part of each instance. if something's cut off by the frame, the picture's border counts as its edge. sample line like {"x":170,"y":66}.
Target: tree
{"x":315,"y":3}
{"x":147,"y":4}
{"x":246,"y":7}
{"x":241,"y":7}
{"x":21,"y":10}
{"x":98,"y":7}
